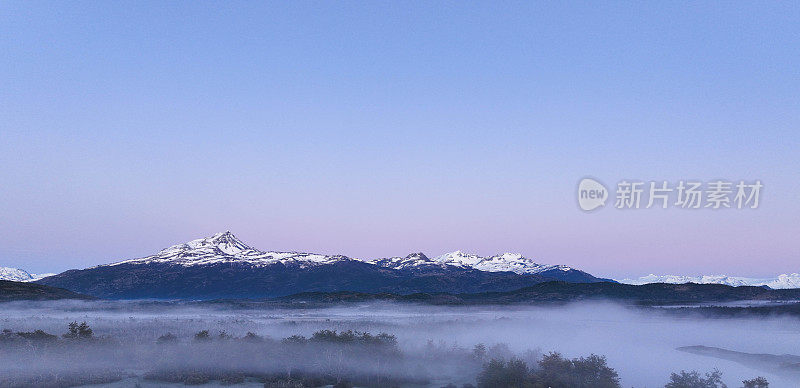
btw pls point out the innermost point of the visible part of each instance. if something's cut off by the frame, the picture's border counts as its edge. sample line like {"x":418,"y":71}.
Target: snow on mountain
{"x":13,"y":274}
{"x":785,"y":281}
{"x":513,"y":262}
{"x":414,"y":261}
{"x":226,"y":248}
{"x":507,"y":262}
{"x":779,"y":282}
{"x":18,"y":275}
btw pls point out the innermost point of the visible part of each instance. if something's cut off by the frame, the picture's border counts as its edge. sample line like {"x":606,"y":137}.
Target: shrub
{"x":693,"y":379}
{"x":758,"y":382}
{"x":253,"y":337}
{"x":295,"y":339}
{"x":37,"y":335}
{"x":81,"y":331}
{"x":223,"y":335}
{"x":354,"y":337}
{"x":202,"y":336}
{"x":167,"y":338}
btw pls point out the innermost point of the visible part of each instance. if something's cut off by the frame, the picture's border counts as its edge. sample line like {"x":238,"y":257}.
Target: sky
{"x":375,"y":129}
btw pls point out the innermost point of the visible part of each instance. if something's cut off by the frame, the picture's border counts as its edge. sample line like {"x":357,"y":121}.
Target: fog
{"x":436,"y":342}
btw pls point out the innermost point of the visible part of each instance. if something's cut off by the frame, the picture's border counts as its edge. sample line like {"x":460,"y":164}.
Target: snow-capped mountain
{"x":413,"y":261}
{"x":226,"y":248}
{"x":784,"y":281}
{"x":222,"y":266}
{"x":18,"y":275}
{"x":513,"y":262}
{"x":507,"y":262}
{"x":14,"y":274}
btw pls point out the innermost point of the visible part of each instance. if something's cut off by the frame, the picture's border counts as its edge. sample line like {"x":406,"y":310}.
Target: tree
{"x":202,"y":336}
{"x":758,"y":382}
{"x":479,"y":352}
{"x":692,"y":379}
{"x":554,"y":371}
{"x":498,"y":373}
{"x":81,"y":331}
{"x":593,"y":371}
{"x":586,"y":372}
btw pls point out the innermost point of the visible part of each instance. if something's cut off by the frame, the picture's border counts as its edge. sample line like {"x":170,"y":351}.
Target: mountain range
{"x":779,"y":282}
{"x":222,"y":266}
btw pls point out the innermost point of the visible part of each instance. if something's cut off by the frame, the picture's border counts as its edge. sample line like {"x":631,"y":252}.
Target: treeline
{"x":75,"y":330}
{"x":326,"y":358}
{"x":552,"y":371}
{"x":555,"y":371}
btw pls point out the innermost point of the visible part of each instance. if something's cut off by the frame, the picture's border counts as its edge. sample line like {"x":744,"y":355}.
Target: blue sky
{"x":377,"y":129}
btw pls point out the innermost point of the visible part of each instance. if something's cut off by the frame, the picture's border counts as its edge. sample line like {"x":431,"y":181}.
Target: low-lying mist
{"x":424,"y":345}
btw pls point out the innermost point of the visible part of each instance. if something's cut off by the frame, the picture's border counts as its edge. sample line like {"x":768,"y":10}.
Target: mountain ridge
{"x":655,"y":294}
{"x":14,"y":291}
{"x":223,"y":266}
{"x":225,"y":247}
{"x":783,"y":281}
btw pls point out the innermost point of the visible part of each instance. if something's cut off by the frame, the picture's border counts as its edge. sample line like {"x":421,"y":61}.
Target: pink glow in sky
{"x":369,"y":131}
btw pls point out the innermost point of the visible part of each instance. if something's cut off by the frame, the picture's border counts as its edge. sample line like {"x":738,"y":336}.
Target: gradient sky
{"x":375,"y":129}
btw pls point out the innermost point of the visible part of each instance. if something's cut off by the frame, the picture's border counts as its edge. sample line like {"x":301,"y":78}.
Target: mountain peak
{"x":513,"y":262}
{"x":417,"y":255}
{"x":225,"y":234}
{"x":221,"y":237}
{"x":458,"y":258}
{"x":227,"y":243}
{"x":223,"y":241}
{"x":224,"y":247}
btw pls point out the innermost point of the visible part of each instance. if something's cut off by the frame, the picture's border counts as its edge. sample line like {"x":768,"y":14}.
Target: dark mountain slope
{"x":560,"y":292}
{"x":11,"y":291}
{"x":167,"y":281}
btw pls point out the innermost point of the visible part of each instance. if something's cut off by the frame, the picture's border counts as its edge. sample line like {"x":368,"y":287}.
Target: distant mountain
{"x":222,"y":266}
{"x":779,"y":282}
{"x":14,"y":274}
{"x":507,"y":262}
{"x":11,"y":291}
{"x":18,"y":275}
